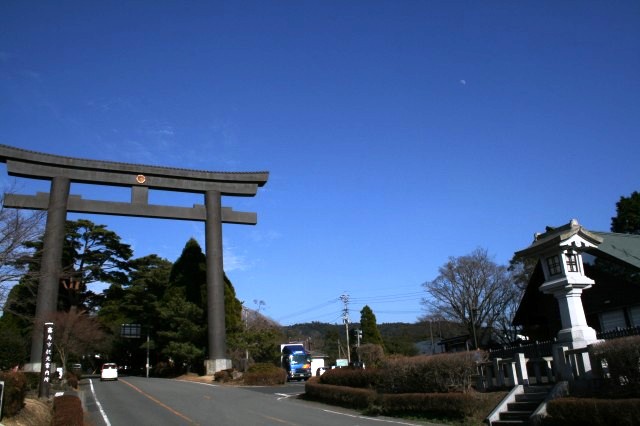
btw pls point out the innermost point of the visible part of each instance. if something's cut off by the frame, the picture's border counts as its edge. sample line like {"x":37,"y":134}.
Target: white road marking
{"x":104,"y":415}
{"x":370,"y":418}
{"x":286,"y":395}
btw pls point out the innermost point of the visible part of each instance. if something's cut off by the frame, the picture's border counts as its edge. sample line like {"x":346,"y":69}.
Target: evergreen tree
{"x":370,"y":332}
{"x":232,"y":309}
{"x":91,"y":253}
{"x":189,"y":272}
{"x":137,"y":303}
{"x":182,"y":337}
{"x":189,"y":275}
{"x":627,"y":220}
{"x":13,"y":343}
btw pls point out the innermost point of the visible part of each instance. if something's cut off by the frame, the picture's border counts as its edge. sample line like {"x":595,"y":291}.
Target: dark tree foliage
{"x":20,"y":306}
{"x":232,"y":310}
{"x":189,"y":272}
{"x":259,"y":340}
{"x":627,"y":219}
{"x":183,"y":333}
{"x":186,"y":336}
{"x":90,"y":253}
{"x":13,"y":343}
{"x":137,"y":302}
{"x":370,"y":332}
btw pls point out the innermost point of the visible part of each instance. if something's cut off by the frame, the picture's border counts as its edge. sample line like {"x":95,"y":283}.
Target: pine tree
{"x":189,"y":272}
{"x":370,"y":332}
{"x":627,"y":220}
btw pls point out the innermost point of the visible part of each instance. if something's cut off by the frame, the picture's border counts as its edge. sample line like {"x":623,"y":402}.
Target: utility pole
{"x":345,"y":319}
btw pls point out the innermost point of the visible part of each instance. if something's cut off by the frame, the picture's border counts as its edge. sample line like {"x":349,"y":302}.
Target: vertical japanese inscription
{"x":47,"y":360}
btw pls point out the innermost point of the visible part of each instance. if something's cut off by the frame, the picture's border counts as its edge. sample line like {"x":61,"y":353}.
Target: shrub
{"x":33,"y":380}
{"x":340,"y":395}
{"x":72,"y":379}
{"x":14,"y":392}
{"x":592,"y":411}
{"x":371,"y":354}
{"x":429,"y":374}
{"x":351,"y":377}
{"x":622,"y":358}
{"x":163,"y":369}
{"x":265,"y":374}
{"x":450,"y":405}
{"x":222,"y":376}
{"x":67,"y":411}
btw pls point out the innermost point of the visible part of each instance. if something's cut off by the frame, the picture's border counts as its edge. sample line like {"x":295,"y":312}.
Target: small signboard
{"x":342,"y":362}
{"x":130,"y":331}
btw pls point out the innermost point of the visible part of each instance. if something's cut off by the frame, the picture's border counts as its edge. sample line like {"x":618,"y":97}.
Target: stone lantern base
{"x":577,"y":337}
{"x":212,"y":366}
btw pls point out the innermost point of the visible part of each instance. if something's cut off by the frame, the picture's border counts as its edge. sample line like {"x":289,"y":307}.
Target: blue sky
{"x":396,"y":133}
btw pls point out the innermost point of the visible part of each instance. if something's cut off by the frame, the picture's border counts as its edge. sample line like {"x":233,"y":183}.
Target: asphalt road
{"x":159,"y":402}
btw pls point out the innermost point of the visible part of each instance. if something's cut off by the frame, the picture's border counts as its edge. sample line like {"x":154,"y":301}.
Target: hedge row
{"x":420,"y":374}
{"x":67,"y":411}
{"x":622,"y":360}
{"x":592,"y":411}
{"x":343,"y":396}
{"x":449,"y":405}
{"x":15,"y":389}
{"x":453,"y":406}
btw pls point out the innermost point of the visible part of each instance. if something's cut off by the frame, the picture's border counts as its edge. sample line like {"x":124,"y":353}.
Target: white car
{"x":109,"y":371}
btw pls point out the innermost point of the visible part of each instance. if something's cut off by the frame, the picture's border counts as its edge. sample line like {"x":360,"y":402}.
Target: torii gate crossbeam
{"x":62,"y":171}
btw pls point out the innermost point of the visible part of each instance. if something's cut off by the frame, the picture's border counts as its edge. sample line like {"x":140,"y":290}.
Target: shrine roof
{"x":625,"y":247}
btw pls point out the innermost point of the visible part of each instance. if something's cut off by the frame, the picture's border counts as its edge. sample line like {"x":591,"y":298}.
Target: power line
{"x":389,"y":298}
{"x":307,"y":310}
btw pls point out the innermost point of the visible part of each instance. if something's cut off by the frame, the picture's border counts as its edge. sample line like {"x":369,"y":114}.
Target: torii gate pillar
{"x":50,"y":264}
{"x":215,"y":285}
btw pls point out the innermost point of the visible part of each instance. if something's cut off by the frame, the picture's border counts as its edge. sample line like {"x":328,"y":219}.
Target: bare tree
{"x":16,"y":228}
{"x":76,"y":334}
{"x":371,"y":354}
{"x":476,"y":292}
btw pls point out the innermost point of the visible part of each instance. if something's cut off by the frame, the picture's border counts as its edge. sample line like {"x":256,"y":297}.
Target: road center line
{"x":163,"y":405}
{"x":95,"y":398}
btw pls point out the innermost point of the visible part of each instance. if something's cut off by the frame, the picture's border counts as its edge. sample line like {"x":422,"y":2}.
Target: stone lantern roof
{"x":571,"y":234}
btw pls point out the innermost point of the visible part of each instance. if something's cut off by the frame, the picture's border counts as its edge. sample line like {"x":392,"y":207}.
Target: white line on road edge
{"x":104,"y":415}
{"x":286,"y":395}
{"x":369,"y":418}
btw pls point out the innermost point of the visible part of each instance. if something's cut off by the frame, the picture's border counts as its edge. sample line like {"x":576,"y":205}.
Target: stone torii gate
{"x":62,"y":171}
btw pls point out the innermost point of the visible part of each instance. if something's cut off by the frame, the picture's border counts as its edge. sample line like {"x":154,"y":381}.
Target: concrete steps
{"x":518,"y":412}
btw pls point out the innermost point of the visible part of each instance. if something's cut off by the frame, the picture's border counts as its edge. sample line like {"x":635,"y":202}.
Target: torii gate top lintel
{"x":25,"y":163}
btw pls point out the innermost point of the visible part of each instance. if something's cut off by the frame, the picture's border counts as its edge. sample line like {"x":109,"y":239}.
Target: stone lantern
{"x":559,"y":250}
